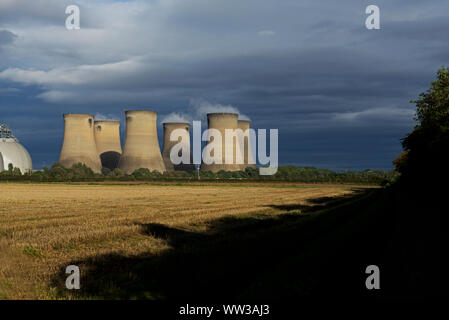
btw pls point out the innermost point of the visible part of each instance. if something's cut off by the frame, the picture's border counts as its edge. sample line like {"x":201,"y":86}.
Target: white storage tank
{"x":11,"y":151}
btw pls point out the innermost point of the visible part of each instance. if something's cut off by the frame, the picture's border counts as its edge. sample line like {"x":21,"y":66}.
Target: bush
{"x":106,"y":171}
{"x":117,"y":172}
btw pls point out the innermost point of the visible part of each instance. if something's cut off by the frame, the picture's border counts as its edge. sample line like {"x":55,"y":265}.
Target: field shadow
{"x":232,"y":255}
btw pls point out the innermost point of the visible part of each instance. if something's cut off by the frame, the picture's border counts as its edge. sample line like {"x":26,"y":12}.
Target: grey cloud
{"x":338,"y":93}
{"x":31,"y":12}
{"x":6,"y":37}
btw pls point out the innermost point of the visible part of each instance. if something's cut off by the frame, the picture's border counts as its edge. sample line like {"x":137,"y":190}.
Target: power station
{"x":79,"y":142}
{"x":97,"y":143}
{"x":248,"y":158}
{"x":221,"y":122}
{"x":107,"y":139}
{"x":141,"y":148}
{"x":184,"y":128}
{"x":12,"y":152}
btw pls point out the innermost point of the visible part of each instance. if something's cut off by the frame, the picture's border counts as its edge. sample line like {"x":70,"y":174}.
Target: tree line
{"x":80,"y":172}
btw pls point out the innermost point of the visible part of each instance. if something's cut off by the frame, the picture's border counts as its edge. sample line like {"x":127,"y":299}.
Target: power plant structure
{"x":79,"y":142}
{"x":184,"y":127}
{"x":12,"y":152}
{"x":141,"y":149}
{"x":107,"y":139}
{"x":97,"y":143}
{"x":221,"y":122}
{"x":248,"y":158}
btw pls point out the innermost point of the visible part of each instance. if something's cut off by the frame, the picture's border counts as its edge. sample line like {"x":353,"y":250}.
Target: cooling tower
{"x":79,"y":142}
{"x":246,"y":152}
{"x":168,"y":129}
{"x":107,"y":139}
{"x":141,"y":149}
{"x":221,"y":122}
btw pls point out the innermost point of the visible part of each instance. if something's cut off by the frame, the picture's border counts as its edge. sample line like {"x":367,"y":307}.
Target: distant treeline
{"x":80,"y":172}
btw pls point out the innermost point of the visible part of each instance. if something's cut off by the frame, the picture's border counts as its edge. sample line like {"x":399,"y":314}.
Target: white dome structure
{"x":11,"y":151}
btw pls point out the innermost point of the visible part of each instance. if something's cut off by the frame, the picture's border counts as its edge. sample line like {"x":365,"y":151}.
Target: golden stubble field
{"x":43,"y":227}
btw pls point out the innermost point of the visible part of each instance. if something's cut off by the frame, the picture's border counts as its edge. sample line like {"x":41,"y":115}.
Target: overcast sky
{"x":338,"y":93}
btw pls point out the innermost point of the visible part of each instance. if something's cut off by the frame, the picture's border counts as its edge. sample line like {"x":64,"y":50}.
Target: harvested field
{"x":45,"y":227}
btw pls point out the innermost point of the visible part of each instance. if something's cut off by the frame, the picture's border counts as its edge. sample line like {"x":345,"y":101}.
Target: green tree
{"x":141,"y":173}
{"x":117,"y":172}
{"x":106,"y":171}
{"x":425,"y":148}
{"x":16,"y":172}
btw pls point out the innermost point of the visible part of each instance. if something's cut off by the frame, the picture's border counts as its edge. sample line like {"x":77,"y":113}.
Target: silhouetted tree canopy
{"x":426,"y":148}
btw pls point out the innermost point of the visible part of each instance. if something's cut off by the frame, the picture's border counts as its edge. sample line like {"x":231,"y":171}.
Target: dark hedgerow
{"x":80,"y":172}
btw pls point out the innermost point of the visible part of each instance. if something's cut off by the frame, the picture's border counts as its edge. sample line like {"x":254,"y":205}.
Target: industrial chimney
{"x":141,"y":149}
{"x":246,"y":152}
{"x":79,"y":142}
{"x":169,"y":127}
{"x":107,"y":138}
{"x":221,"y":122}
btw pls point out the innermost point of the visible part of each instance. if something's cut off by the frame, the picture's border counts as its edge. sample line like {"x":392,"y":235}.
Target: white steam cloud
{"x":198,"y":110}
{"x":103,"y":117}
{"x":202,"y":107}
{"x":175,"y":117}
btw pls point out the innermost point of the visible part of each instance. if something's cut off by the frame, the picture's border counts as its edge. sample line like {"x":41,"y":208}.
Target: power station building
{"x":12,"y":152}
{"x":107,"y":139}
{"x":97,"y":143}
{"x":79,"y":142}
{"x":141,"y":149}
{"x":184,"y":128}
{"x":248,"y":157}
{"x":221,"y":122}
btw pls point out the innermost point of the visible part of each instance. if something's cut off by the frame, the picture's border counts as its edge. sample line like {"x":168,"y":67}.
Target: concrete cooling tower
{"x":79,"y":142}
{"x":11,"y":151}
{"x":107,"y":139}
{"x":247,"y":154}
{"x":221,"y":122}
{"x":141,"y":149}
{"x":168,"y":129}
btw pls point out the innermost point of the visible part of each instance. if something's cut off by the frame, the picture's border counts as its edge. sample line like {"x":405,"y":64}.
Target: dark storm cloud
{"x":338,"y":93}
